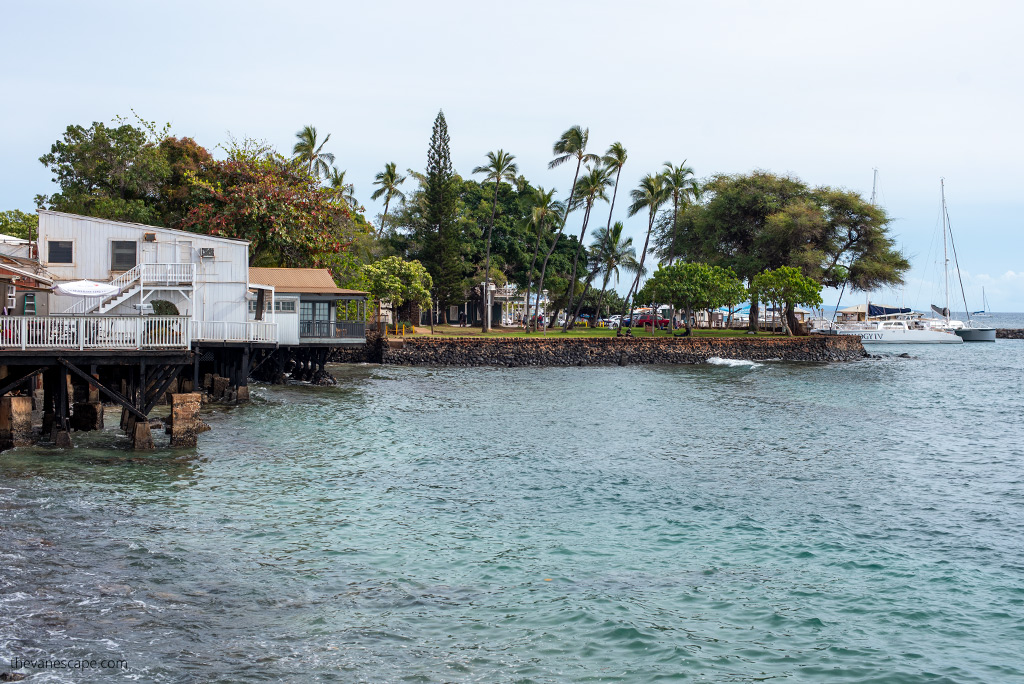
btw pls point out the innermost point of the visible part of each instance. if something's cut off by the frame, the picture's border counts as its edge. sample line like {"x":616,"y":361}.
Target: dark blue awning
{"x":875,"y":310}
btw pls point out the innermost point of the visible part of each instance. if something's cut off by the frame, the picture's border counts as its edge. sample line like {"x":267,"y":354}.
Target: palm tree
{"x":591,"y":188}
{"x":614,"y":158}
{"x":310,"y":151}
{"x":544,"y":213}
{"x":650,"y":195}
{"x":342,"y":190}
{"x":612,"y":254}
{"x":499,"y":167}
{"x":388,"y":180}
{"x":571,"y":144}
{"x":683,"y":187}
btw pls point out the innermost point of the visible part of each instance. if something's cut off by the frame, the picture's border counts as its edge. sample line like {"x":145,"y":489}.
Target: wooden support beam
{"x":11,"y":385}
{"x":116,"y":396}
{"x":167,"y":380}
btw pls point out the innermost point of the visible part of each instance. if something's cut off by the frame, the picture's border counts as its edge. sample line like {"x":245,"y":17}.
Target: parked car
{"x":646,"y":320}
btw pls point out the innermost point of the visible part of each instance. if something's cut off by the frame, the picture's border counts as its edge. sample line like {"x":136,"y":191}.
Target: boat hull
{"x":903,"y":336}
{"x":977,"y":334}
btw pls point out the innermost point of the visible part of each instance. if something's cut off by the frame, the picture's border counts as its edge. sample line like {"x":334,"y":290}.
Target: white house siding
{"x":221,"y":283}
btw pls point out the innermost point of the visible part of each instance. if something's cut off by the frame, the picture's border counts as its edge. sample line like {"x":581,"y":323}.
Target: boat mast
{"x":945,"y":253}
{"x":874,"y":196}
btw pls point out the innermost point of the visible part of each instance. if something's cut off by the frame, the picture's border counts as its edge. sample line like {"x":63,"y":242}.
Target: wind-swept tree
{"x":344,"y":191}
{"x":572,"y":144}
{"x":683,"y":187}
{"x":388,"y":180}
{"x":612,"y":254}
{"x":500,"y":167}
{"x":544,"y":214}
{"x":309,"y":151}
{"x":650,"y":195}
{"x":592,"y":187}
{"x":614,"y":159}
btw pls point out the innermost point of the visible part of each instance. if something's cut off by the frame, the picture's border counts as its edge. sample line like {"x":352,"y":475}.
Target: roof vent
{"x":206,"y":252}
{"x":149,"y":237}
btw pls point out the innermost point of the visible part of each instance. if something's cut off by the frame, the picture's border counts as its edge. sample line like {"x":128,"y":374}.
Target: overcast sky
{"x":823,"y":90}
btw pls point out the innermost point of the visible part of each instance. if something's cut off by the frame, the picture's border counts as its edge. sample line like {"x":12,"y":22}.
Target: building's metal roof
{"x":298,"y":280}
{"x":144,"y":227}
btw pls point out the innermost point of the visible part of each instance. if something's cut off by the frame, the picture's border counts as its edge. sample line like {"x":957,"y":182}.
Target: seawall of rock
{"x":1010,"y":333}
{"x":593,"y":351}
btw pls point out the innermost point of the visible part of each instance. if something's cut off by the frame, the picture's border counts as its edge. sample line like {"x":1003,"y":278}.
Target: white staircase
{"x":125,"y":295}
{"x":130,"y":283}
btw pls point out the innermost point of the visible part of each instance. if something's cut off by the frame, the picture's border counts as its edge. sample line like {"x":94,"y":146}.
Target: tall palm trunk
{"x":487,"y":264}
{"x":636,"y":281}
{"x":672,"y":258}
{"x":575,"y":260}
{"x":529,"y":275}
{"x":604,"y":243}
{"x":672,"y":230}
{"x":384,"y":218}
{"x":565,"y":217}
{"x":604,"y":288}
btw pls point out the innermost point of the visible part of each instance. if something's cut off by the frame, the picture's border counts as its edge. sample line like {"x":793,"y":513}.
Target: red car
{"x":644,"y":321}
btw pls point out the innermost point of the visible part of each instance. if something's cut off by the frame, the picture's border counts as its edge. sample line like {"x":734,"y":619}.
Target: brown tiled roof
{"x":300,"y":280}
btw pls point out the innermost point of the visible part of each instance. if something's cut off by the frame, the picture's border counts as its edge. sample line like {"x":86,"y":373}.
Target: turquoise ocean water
{"x":858,"y":522}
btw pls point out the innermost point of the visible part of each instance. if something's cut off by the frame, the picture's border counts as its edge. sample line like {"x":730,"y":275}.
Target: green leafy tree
{"x":309,"y":152}
{"x":389,"y":179}
{"x":761,"y":221}
{"x":788,"y":287}
{"x":112,"y":172}
{"x":500,"y":167}
{"x":691,"y":287}
{"x":17,"y":223}
{"x":397,"y":281}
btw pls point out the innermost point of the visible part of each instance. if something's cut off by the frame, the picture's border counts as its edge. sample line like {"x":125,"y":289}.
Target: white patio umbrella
{"x":86,"y":288}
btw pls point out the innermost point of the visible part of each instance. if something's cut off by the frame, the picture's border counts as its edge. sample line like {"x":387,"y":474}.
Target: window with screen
{"x":122,"y":255}
{"x":60,"y":251}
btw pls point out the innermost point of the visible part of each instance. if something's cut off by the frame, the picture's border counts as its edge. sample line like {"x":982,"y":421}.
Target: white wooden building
{"x":205,"y":278}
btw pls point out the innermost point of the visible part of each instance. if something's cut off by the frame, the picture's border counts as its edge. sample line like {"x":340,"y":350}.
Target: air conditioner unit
{"x":149,"y":237}
{"x":206,"y":252}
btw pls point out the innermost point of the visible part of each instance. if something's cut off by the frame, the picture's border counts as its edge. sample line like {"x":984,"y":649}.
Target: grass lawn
{"x":556,"y":333}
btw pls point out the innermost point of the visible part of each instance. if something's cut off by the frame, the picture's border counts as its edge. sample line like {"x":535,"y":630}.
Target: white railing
{"x":168,"y":274}
{"x":234,"y":331}
{"x":84,"y":305}
{"x":95,"y":332}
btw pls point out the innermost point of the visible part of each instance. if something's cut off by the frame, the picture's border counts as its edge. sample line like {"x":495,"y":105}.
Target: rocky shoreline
{"x":605,"y":351}
{"x":1010,"y":333}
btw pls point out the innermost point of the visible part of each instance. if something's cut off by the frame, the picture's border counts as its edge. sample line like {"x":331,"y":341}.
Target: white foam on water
{"x":732,"y":363}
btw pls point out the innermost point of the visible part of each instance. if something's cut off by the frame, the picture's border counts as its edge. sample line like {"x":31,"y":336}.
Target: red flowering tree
{"x":288,"y":219}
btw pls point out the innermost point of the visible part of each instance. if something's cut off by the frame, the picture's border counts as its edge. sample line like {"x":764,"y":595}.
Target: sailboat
{"x":876,"y":324}
{"x":972,"y":332}
{"x":987,"y":311}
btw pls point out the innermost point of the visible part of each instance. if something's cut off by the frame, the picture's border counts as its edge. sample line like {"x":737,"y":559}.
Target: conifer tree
{"x":444,"y":248}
